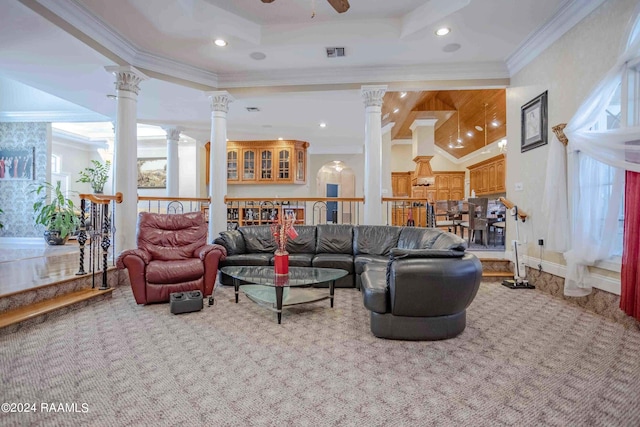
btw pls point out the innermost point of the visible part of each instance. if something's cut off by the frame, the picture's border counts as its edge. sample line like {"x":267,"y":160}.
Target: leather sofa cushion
{"x":341,"y":261}
{"x":334,"y":239}
{"x":248,"y":259}
{"x":174,"y":271}
{"x":360,"y":261}
{"x":426,"y":253}
{"x":305,"y":243}
{"x":298,"y":260}
{"x":258,"y":239}
{"x":433,"y":286}
{"x":417,"y":237}
{"x":448,"y":240}
{"x":375,"y":239}
{"x":374,"y":290}
{"x":233,"y":241}
{"x":171,"y":237}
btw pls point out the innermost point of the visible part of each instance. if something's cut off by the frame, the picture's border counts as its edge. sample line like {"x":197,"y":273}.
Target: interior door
{"x":332,"y":207}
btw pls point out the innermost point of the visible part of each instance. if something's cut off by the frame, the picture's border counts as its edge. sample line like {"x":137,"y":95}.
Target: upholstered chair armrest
{"x":203,"y":251}
{"x":211,"y":255}
{"x":136,"y":261}
{"x":144,"y":256}
{"x":375,"y":292}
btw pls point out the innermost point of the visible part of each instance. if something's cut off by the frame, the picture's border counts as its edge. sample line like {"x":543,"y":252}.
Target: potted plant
{"x":96,"y":176}
{"x":55,"y":212}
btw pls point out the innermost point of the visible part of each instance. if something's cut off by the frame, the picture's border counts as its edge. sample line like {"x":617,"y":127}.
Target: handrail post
{"x":105,"y":245}
{"x":82,"y":237}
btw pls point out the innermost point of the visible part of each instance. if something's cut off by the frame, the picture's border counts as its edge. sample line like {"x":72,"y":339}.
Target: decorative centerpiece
{"x":96,"y":176}
{"x":281,"y":230}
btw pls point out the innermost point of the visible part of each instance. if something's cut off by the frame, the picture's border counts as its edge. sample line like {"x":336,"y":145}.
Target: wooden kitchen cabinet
{"x":265,"y":162}
{"x":488,"y":176}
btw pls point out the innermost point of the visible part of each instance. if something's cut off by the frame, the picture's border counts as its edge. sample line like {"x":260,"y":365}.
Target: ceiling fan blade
{"x":340,"y":6}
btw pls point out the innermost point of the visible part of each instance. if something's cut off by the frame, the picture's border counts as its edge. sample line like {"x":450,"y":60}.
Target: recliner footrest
{"x":185,"y":302}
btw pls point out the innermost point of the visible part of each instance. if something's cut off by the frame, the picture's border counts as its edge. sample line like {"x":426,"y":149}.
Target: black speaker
{"x":185,"y":302}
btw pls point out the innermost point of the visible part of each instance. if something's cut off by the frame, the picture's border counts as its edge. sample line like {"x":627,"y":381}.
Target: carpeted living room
{"x":525,"y":358}
{"x":278,"y":293}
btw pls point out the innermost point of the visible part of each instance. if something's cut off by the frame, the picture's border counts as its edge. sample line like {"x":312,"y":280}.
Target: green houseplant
{"x":55,"y":212}
{"x":96,"y":175}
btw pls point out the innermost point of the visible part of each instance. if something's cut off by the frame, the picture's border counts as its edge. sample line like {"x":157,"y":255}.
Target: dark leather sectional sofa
{"x":417,"y":282}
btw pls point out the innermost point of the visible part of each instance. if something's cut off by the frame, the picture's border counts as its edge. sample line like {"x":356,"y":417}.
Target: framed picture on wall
{"x":17,"y":164}
{"x":152,"y":172}
{"x":534,"y":123}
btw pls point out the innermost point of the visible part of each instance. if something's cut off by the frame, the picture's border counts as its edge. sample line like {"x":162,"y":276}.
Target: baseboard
{"x":599,"y":281}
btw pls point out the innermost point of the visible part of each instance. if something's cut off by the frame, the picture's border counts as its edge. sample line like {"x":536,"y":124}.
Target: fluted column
{"x":126,"y":154}
{"x":173,"y":162}
{"x":218,"y":162}
{"x":372,"y":96}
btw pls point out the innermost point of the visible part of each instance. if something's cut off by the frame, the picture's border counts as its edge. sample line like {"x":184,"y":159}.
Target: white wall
{"x":73,"y":159}
{"x":568,"y":70}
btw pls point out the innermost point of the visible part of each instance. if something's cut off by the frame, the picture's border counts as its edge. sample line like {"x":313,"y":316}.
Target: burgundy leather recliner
{"x":172,"y":256}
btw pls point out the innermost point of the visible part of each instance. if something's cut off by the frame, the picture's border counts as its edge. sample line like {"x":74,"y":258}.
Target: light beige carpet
{"x":525,"y":359}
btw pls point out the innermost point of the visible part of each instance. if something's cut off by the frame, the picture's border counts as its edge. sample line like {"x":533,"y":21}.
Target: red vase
{"x":281,"y":263}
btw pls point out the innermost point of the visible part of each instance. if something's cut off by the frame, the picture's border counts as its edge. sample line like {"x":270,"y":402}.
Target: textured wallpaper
{"x":15,"y":200}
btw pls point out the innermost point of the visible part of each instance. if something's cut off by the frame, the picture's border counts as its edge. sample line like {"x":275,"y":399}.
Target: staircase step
{"x":29,"y":312}
{"x":497,"y":273}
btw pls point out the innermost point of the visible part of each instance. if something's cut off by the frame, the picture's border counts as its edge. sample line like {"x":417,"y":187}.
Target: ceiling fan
{"x":340,"y":6}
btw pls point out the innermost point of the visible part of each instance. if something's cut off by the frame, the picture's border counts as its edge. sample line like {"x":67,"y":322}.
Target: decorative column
{"x":218,"y":162}
{"x":126,"y":154}
{"x":173,"y":162}
{"x":372,"y":96}
{"x":387,"y":188}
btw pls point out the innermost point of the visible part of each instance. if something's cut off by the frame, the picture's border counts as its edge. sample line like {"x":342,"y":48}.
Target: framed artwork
{"x":17,"y":164}
{"x":534,"y":123}
{"x":152,"y":172}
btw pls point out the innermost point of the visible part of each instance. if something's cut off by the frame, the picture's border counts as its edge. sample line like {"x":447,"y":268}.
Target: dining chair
{"x":444,"y":216}
{"x":477,"y":219}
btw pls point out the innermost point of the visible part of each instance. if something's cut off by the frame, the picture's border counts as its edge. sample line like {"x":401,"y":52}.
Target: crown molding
{"x":566,"y":17}
{"x":364,"y":75}
{"x":72,"y":140}
{"x":83,"y":20}
{"x":52,"y":116}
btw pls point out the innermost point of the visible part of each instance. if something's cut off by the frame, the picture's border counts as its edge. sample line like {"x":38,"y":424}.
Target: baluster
{"x":106,"y":224}
{"x":82,"y":237}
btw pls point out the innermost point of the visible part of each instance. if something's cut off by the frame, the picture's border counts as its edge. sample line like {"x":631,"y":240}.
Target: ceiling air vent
{"x":253,"y":109}
{"x":335,"y":52}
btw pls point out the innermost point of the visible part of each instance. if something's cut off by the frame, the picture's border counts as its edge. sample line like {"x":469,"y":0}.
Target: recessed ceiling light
{"x":112,"y":96}
{"x":495,"y":123}
{"x":220,"y":42}
{"x":280,"y":138}
{"x":452,"y":47}
{"x":257,"y":55}
{"x":469,"y":133}
{"x":323,"y":125}
{"x":479,"y":128}
{"x":395,"y":110}
{"x":443,"y":31}
{"x":403,"y":94}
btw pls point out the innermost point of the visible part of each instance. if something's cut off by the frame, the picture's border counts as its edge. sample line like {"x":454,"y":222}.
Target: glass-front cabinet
{"x":248,"y":165}
{"x":232,"y":165}
{"x":264,"y":162}
{"x":269,"y":162}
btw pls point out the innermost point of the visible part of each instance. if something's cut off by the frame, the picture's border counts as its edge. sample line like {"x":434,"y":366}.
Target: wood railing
{"x":98,"y":230}
{"x":509,"y":205}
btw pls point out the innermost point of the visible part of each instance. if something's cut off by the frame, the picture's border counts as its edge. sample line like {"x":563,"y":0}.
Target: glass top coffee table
{"x":261,"y":285}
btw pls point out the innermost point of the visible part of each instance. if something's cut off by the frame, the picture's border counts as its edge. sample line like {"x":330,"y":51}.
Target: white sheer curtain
{"x":596,"y":163}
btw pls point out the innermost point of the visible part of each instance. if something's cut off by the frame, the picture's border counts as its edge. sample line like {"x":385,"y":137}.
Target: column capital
{"x":387,"y":128}
{"x":173,"y":132}
{"x":372,"y":95}
{"x":127,"y":77}
{"x":220,"y":100}
{"x":422,"y":122}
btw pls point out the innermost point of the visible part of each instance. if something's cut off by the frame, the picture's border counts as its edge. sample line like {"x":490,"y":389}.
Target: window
{"x":55,"y":163}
